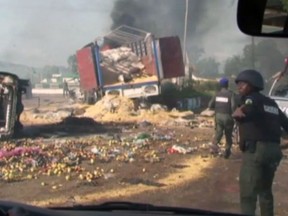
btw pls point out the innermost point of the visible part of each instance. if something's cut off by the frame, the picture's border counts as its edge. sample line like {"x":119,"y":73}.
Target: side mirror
{"x":263,"y":17}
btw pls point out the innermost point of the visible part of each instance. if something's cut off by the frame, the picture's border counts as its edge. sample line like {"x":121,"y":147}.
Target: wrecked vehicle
{"x":128,"y":62}
{"x":11,"y":107}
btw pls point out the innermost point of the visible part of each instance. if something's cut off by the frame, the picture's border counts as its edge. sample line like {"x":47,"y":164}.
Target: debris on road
{"x":82,"y":158}
{"x":18,"y":151}
{"x":181,"y":150}
{"x":206,"y":124}
{"x":207,"y":113}
{"x":114,"y":108}
{"x":135,"y":181}
{"x":157,"y":108}
{"x":109,"y":105}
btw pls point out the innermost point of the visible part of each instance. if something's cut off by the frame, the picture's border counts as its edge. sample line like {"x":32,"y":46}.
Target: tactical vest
{"x":223,"y":102}
{"x":265,"y":125}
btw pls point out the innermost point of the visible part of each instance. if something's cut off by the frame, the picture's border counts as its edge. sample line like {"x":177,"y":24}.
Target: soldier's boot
{"x":228,"y":146}
{"x":227,"y":153}
{"x":214,"y":149}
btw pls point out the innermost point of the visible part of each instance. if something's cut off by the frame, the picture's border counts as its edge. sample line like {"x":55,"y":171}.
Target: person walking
{"x":224,"y":104}
{"x":65,"y":89}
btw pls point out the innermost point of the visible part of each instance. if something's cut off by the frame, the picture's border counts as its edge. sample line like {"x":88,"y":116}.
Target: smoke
{"x":42,"y":33}
{"x":211,"y":31}
{"x":162,"y":17}
{"x":47,"y":32}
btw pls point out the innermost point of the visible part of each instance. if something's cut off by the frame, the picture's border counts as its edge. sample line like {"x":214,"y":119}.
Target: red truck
{"x":128,"y":62}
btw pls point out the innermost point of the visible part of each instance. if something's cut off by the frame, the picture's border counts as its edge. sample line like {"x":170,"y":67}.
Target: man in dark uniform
{"x":19,"y":109}
{"x":65,"y":89}
{"x":223,"y":103}
{"x":260,"y":121}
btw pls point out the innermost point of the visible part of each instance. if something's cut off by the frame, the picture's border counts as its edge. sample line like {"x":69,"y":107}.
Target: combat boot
{"x":227,"y":153}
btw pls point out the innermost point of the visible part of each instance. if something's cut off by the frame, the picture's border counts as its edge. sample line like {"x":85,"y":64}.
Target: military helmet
{"x":252,"y":77}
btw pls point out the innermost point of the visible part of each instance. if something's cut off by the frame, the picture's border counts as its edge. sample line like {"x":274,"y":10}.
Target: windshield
{"x":111,"y":108}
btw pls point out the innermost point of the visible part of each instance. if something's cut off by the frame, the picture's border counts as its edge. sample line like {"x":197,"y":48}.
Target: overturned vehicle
{"x":11,"y":107}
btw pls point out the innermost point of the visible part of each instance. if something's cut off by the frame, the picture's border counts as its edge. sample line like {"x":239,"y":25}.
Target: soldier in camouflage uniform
{"x":224,"y":104}
{"x":260,"y":121}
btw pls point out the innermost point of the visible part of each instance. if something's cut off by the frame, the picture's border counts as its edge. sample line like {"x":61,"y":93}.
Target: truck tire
{"x":89,"y":97}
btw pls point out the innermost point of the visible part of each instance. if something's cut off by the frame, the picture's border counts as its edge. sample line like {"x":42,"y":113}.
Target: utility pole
{"x":185,"y":30}
{"x":185,"y":36}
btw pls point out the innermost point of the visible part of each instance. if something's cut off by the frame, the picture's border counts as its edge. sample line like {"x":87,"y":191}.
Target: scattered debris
{"x":144,"y":124}
{"x":135,"y":181}
{"x":111,"y":104}
{"x":208,"y":113}
{"x":181,"y":149}
{"x":157,"y":108}
{"x":122,"y":60}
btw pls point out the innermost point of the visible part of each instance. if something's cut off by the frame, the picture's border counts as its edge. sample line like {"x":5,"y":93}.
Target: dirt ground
{"x":153,"y":174}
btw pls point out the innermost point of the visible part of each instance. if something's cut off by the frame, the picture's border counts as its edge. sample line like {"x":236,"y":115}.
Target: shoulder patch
{"x":248,"y":101}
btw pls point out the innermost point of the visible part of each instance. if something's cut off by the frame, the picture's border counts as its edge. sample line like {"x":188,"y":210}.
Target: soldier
{"x":223,"y":103}
{"x":260,"y":121}
{"x":65,"y":89}
{"x":19,"y":109}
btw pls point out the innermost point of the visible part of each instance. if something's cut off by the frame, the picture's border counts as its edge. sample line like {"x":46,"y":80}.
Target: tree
{"x":285,"y":5}
{"x":263,"y":56}
{"x":72,"y":64}
{"x":269,"y":58}
{"x":49,"y":70}
{"x":208,"y":67}
{"x":233,"y":65}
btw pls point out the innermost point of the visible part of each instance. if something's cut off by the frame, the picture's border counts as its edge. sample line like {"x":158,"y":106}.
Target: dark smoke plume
{"x":162,"y":17}
{"x":209,"y":22}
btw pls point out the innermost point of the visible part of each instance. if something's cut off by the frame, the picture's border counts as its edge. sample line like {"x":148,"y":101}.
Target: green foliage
{"x":169,"y":89}
{"x":208,"y":67}
{"x":263,"y":56}
{"x":49,"y":70}
{"x":72,"y":64}
{"x":189,"y":89}
{"x":206,"y":87}
{"x":233,"y":65}
{"x":285,"y":5}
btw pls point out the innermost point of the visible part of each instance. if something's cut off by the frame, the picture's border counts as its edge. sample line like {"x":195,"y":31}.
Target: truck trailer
{"x":128,"y":62}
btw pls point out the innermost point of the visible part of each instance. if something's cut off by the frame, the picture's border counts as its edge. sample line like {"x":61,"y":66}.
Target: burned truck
{"x":11,"y":106}
{"x":128,"y":62}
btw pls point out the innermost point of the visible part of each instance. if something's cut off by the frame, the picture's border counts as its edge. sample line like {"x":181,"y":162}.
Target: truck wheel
{"x":90,"y":99}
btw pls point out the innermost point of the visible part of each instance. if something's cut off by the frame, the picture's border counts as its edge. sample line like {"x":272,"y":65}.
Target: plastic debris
{"x":207,"y":113}
{"x":180,"y":149}
{"x":18,"y":151}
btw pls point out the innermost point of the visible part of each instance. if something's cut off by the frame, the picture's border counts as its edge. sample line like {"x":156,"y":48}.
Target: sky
{"x":39,"y":33}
